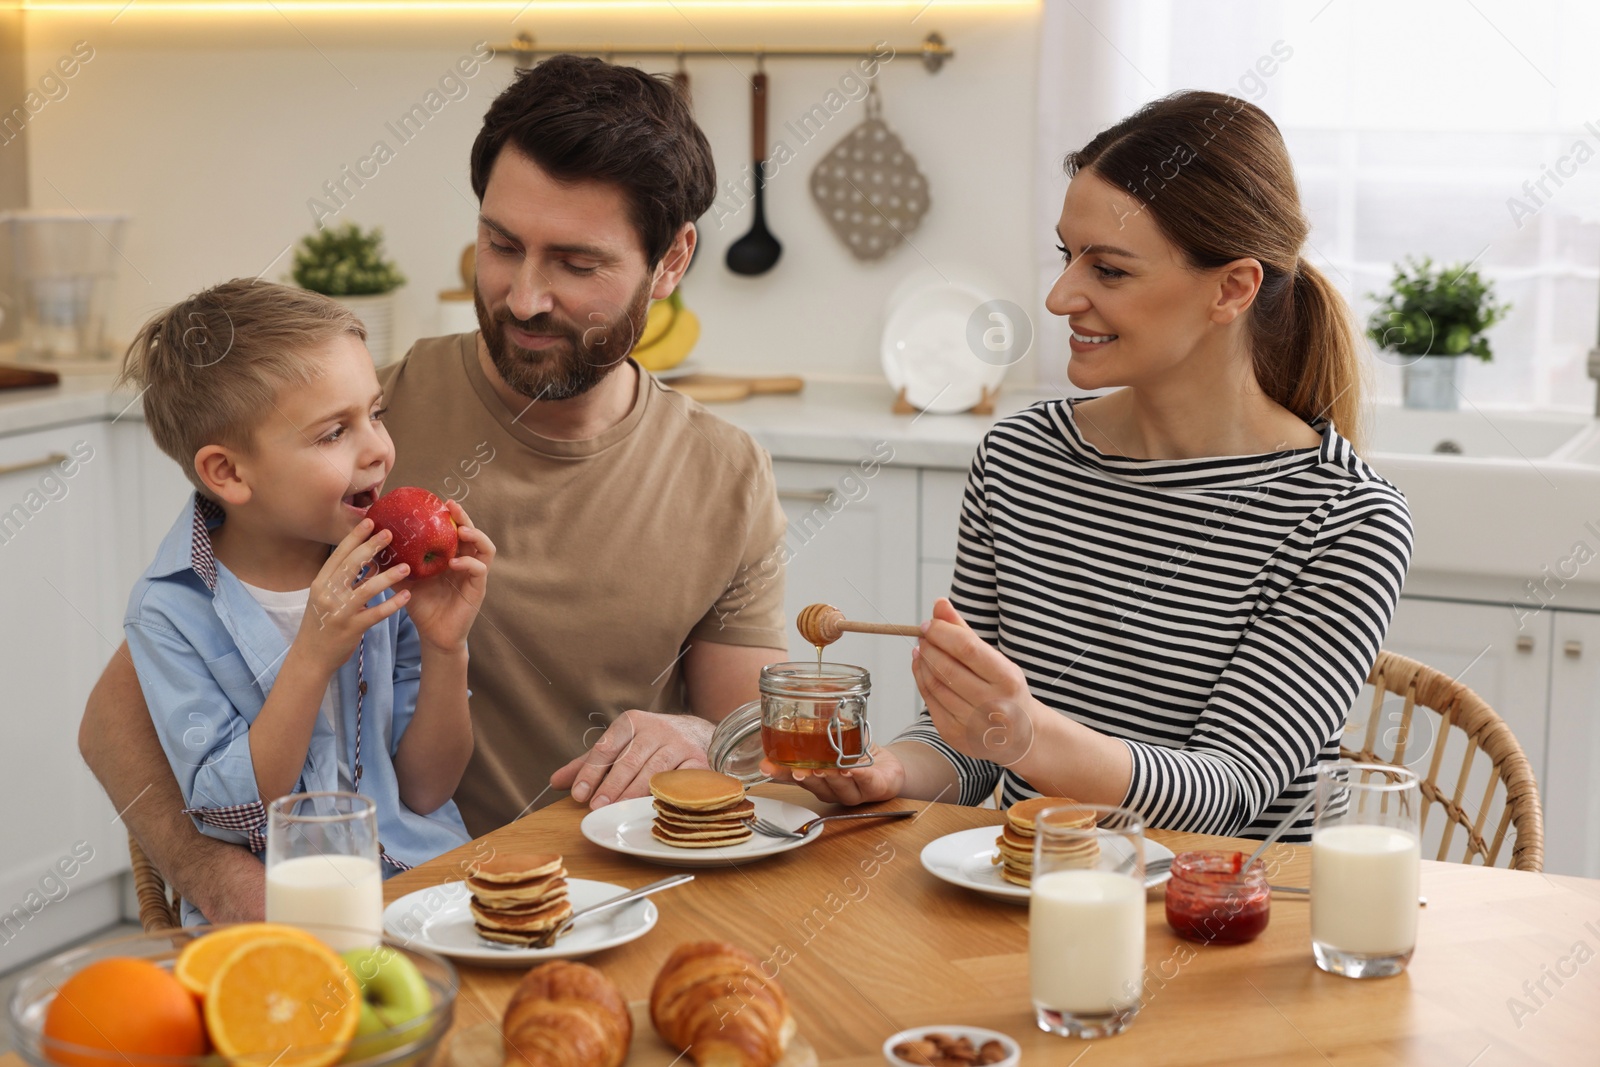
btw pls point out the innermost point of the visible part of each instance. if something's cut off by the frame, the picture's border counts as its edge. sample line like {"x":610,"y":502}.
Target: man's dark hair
{"x":582,"y":119}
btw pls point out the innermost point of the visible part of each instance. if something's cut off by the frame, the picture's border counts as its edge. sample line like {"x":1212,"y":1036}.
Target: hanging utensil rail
{"x":933,"y":51}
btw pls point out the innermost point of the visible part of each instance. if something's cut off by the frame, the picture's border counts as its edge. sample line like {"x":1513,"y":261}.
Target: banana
{"x":662,"y":312}
{"x":673,"y":346}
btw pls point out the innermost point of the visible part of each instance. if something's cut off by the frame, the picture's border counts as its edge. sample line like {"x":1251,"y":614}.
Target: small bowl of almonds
{"x":951,"y":1046}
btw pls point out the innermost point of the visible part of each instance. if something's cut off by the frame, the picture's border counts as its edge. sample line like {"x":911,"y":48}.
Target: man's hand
{"x":635,"y":746}
{"x":235,"y":892}
{"x":120,"y":744}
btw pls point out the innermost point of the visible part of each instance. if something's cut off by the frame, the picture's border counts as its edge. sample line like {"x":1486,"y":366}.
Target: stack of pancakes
{"x":517,"y":897}
{"x":1015,"y":842}
{"x":700,"y":809}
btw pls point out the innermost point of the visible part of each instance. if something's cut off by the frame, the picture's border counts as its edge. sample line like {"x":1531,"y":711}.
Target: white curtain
{"x":1461,"y":129}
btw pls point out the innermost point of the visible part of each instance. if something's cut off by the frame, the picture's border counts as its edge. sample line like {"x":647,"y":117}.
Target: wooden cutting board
{"x":24,"y":377}
{"x":720,"y":389}
{"x":483,"y":1046}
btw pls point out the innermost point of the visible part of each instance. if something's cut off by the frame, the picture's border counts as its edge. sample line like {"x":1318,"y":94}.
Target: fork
{"x":546,"y":939}
{"x":772,"y":829}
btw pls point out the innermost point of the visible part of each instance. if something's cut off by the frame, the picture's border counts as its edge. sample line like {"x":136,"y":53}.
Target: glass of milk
{"x":322,"y":867}
{"x":1086,"y":919}
{"x":1366,"y":868}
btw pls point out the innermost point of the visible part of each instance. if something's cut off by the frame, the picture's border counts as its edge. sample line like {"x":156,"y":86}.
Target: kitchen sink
{"x":1495,"y":494}
{"x":1583,"y":450}
{"x":1475,"y":433}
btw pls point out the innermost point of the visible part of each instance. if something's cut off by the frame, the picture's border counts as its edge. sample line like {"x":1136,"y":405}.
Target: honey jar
{"x":811,"y":716}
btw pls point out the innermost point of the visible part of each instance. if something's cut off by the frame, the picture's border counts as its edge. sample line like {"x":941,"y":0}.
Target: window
{"x":1460,"y":129}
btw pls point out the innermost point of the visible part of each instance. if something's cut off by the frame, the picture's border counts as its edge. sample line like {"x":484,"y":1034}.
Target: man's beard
{"x":576,"y":363}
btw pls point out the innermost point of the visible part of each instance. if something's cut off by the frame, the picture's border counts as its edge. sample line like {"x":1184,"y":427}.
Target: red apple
{"x":424,"y":533}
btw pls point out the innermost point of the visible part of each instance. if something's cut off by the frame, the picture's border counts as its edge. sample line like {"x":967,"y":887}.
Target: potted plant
{"x":1430,"y":318}
{"x":348,"y":264}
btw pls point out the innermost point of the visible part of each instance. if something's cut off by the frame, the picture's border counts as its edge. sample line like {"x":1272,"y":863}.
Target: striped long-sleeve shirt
{"x":1216,"y":615}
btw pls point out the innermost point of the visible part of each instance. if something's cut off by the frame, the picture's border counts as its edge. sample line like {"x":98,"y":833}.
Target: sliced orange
{"x":284,"y":1000}
{"x":197,"y":964}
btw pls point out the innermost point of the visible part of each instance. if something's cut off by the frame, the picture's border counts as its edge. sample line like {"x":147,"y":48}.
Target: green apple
{"x":393,"y":995}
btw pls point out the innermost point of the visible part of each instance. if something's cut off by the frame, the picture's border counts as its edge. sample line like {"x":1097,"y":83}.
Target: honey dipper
{"x":823,"y":624}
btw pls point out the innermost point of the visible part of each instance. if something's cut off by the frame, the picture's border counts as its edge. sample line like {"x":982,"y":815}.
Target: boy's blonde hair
{"x":211,"y":366}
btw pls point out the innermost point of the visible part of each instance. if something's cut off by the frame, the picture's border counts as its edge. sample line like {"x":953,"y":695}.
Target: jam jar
{"x":1213,"y":898}
{"x":810,"y":716}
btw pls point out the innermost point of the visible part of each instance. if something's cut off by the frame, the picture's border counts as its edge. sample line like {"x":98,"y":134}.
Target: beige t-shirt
{"x":613,"y":555}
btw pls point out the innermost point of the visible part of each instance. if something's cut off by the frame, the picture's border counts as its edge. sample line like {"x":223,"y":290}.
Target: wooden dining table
{"x":866,"y":943}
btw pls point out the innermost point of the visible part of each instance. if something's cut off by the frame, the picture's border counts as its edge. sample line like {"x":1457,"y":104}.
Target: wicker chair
{"x":158,"y":905}
{"x":1485,"y":733}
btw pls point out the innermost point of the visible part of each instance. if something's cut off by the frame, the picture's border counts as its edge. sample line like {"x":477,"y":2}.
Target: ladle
{"x":757,"y":251}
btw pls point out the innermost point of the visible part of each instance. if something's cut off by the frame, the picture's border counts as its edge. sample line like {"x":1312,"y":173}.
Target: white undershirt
{"x":286,"y":610}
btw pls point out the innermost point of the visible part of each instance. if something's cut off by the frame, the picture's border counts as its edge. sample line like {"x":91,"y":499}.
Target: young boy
{"x":273,"y":664}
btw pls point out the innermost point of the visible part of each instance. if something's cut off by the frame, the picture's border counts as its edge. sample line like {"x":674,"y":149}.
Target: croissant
{"x":565,"y":1014}
{"x":711,"y":1000}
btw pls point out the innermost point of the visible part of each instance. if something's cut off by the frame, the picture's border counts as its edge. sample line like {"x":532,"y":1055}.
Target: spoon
{"x":1278,"y":830}
{"x":757,"y":251}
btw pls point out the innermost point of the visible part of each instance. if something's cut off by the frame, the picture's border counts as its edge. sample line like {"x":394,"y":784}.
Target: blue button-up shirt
{"x":207,"y":654}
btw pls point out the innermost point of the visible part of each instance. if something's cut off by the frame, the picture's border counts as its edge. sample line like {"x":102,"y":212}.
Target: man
{"x":628,"y":518}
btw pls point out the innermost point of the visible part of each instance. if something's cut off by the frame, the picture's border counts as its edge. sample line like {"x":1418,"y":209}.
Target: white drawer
{"x":941,"y":509}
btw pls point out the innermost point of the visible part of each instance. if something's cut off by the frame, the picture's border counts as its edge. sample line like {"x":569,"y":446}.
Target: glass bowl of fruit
{"x":249,"y":995}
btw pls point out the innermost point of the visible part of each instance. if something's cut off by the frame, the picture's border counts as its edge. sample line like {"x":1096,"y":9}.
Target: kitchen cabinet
{"x":82,"y":508}
{"x":1483,"y":647}
{"x":62,"y":848}
{"x":941,"y":509}
{"x":1571,"y":787}
{"x":852,"y":543}
{"x":937,"y":574}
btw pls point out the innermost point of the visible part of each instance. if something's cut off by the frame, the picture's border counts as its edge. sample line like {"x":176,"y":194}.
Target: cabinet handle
{"x":807,"y":496}
{"x":33,"y":464}
{"x":1573,"y":648}
{"x":1524,"y":643}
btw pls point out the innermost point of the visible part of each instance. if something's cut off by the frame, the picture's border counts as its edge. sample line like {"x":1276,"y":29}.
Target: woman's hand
{"x":884,"y":780}
{"x":978,"y":699}
{"x":443,"y":607}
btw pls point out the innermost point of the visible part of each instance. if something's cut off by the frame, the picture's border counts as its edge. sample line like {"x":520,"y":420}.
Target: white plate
{"x":625,"y":827}
{"x":964,"y":859}
{"x":926,"y":352}
{"x":438,"y":919}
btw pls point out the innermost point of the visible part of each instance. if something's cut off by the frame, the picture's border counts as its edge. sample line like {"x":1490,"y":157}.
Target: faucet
{"x":1593,"y":365}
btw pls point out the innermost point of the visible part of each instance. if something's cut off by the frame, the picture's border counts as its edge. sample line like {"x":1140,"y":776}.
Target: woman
{"x":1167,"y":596}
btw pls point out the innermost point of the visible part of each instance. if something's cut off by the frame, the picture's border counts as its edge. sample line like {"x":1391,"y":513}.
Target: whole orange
{"x":127,"y":1008}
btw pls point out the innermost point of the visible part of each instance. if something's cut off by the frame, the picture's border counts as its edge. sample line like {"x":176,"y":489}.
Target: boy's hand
{"x":443,"y":607}
{"x":336,"y":611}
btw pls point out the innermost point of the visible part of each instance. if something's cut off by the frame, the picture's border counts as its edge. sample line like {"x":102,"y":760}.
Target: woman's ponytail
{"x":1321,"y":355}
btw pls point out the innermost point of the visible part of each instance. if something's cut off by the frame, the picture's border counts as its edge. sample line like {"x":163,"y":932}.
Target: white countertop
{"x":830,"y":421}
{"x":1473,"y":537}
{"x":78,"y":397}
{"x":843,"y":422}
